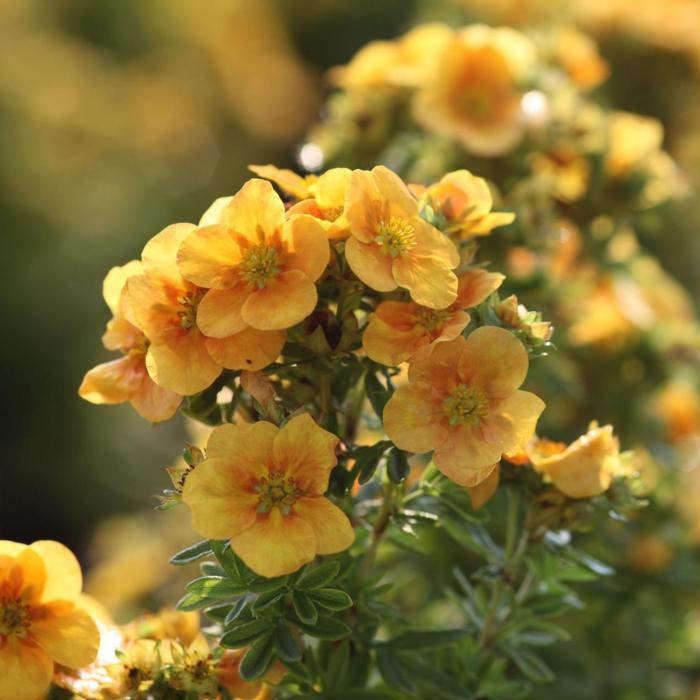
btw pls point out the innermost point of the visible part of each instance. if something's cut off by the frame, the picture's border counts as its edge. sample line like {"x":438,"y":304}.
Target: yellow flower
{"x":578,"y":55}
{"x":464,"y":403}
{"x":633,"y":140}
{"x":126,"y":379}
{"x":566,"y":171}
{"x":583,"y":469}
{"x":404,"y":331}
{"x":322,"y":196}
{"x":172,"y":313}
{"x":391,"y":245}
{"x":259,"y":265}
{"x":516,"y":316}
{"x":262,"y":487}
{"x":41,"y":620}
{"x":475,"y":94}
{"x":678,"y":406}
{"x":464,"y":202}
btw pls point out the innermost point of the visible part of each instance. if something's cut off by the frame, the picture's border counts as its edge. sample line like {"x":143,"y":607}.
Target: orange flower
{"x":475,"y":94}
{"x":258,"y":264}
{"x":391,"y":245}
{"x":322,"y":197}
{"x":578,"y":55}
{"x":262,"y":487}
{"x":171,"y":311}
{"x":463,"y":201}
{"x":126,"y":379}
{"x":41,"y":622}
{"x":464,"y":403}
{"x":404,"y":331}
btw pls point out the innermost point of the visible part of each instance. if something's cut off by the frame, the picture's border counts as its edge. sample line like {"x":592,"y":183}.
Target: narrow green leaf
{"x":397,"y":466}
{"x":268,"y":598}
{"x":331,"y":598}
{"x":214,"y":587}
{"x":191,"y":553}
{"x":319,"y":576}
{"x":304,"y":608}
{"x":259,"y":657}
{"x":236,"y":610}
{"x":531,"y":665}
{"x":426,"y":639}
{"x":377,"y":393}
{"x":244,"y":634}
{"x":191,"y":601}
{"x":337,"y":670}
{"x":328,"y":628}
{"x":287,"y":647}
{"x":262,"y":584}
{"x":393,"y":671}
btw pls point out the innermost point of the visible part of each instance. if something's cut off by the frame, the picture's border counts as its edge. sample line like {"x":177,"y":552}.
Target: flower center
{"x":332,"y":213}
{"x":395,"y":236}
{"x":277,"y":492}
{"x":259,"y":264}
{"x":465,"y":405}
{"x":14,"y":618}
{"x":189,"y":301}
{"x":431,"y":319}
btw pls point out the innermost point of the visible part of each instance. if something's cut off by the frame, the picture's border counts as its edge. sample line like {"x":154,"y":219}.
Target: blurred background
{"x":117,"y":119}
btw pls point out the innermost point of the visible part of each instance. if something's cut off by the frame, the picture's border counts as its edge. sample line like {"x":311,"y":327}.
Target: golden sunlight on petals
{"x":287,"y":180}
{"x":392,"y":189}
{"x":331,"y":526}
{"x":208,"y":257}
{"x":153,"y":402}
{"x":213,"y":214}
{"x":524,"y":409}
{"x":309,"y":251}
{"x":251,"y":349}
{"x":64,"y":580}
{"x":114,"y":283}
{"x":431,"y":284}
{"x":475,"y":286}
{"x":33,"y":572}
{"x":370,"y":265}
{"x":113,"y":382}
{"x":465,"y":452}
{"x":387,"y":344}
{"x":251,"y":443}
{"x":283,"y":302}
{"x":289,"y":543}
{"x":25,"y":671}
{"x":158,"y":254}
{"x":219,"y":312}
{"x":254,"y":210}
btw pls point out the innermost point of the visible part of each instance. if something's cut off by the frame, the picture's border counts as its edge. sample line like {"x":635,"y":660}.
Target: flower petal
{"x":482,"y":492}
{"x":217,"y":494}
{"x":25,"y":671}
{"x":305,"y":452}
{"x":331,"y":526}
{"x":465,"y":451}
{"x":114,"y":283}
{"x":219,"y":312}
{"x":113,"y":382}
{"x":250,"y":349}
{"x":287,"y":180}
{"x":159,"y":255}
{"x":309,"y":249}
{"x":370,"y":264}
{"x":153,"y":402}
{"x":393,"y":189}
{"x":213,"y":214}
{"x":250,"y":444}
{"x":475,"y":286}
{"x":283,"y":302}
{"x":209,"y":257}
{"x":64,"y":579}
{"x":276,"y":545}
{"x":523,"y":409}
{"x":387,"y":344}
{"x":430,"y":282}
{"x":255,"y":211}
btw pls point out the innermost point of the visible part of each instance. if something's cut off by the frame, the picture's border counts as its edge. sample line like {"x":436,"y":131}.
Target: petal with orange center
{"x":114,"y":283}
{"x":220,"y":497}
{"x":250,"y":349}
{"x":414,"y":419}
{"x":113,"y":382}
{"x":370,"y":264}
{"x":428,"y":280}
{"x":276,"y":545}
{"x":153,"y":402}
{"x":255,"y":212}
{"x":440,"y":369}
{"x":152,"y":306}
{"x":523,"y":409}
{"x":460,"y":192}
{"x":159,"y":255}
{"x":25,"y":671}
{"x":449,"y":331}
{"x":308,"y":246}
{"x":392,"y":189}
{"x":305,"y":452}
{"x":183,"y":365}
{"x":67,"y":633}
{"x":465,"y":451}
{"x":64,"y":579}
{"x":219,"y":311}
{"x":494,"y":359}
{"x":475,"y":286}
{"x":388,"y":344}
{"x":250,"y":444}
{"x":209,"y":257}
{"x":331,"y":526}
{"x":283,"y":302}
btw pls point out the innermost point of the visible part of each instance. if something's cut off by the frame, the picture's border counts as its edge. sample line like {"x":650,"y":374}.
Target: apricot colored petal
{"x":213,"y":215}
{"x":331,"y":526}
{"x":219,"y":311}
{"x":523,"y":409}
{"x":460,"y":191}
{"x":360,"y":204}
{"x":159,"y":255}
{"x":579,"y":476}
{"x":370,"y":264}
{"x":393,"y":190}
{"x":250,"y":349}
{"x":151,"y":306}
{"x":25,"y":671}
{"x":153,"y":402}
{"x":276,"y":545}
{"x":331,"y":188}
{"x":283,"y":302}
{"x":475,"y":286}
{"x":482,"y":492}
{"x":64,"y":579}
{"x":209,"y":256}
{"x":489,"y":222}
{"x":113,"y":382}
{"x":287,"y":180}
{"x":250,"y":443}
{"x":494,"y":359}
{"x":428,"y":280}
{"x":465,"y":451}
{"x":115,"y":280}
{"x":255,"y":212}
{"x":398,"y":314}
{"x":413,"y":418}
{"x":440,"y":368}
{"x":498,"y":430}
{"x":183,"y":365}
{"x":33,"y":575}
{"x":308,"y":246}
{"x":67,"y":633}
{"x":451,"y":330}
{"x":305,"y":452}
{"x":387,"y":344}
{"x":121,"y":334}
{"x":217,"y":496}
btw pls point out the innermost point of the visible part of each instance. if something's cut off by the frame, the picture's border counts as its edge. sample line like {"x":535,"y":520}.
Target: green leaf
{"x":367,"y":458}
{"x":328,"y":628}
{"x":338,"y":666}
{"x":287,"y":647}
{"x":531,"y":665}
{"x":377,"y":393}
{"x":331,"y":598}
{"x":246,"y":633}
{"x":262,"y":584}
{"x":214,"y":587}
{"x":319,"y":576}
{"x":191,"y":601}
{"x":426,"y":639}
{"x":191,"y":553}
{"x":397,"y":466}
{"x":304,"y":607}
{"x":258,"y":659}
{"x":228,"y":560}
{"x":268,"y":598}
{"x":219,"y":612}
{"x":393,"y":671}
{"x":236,"y":610}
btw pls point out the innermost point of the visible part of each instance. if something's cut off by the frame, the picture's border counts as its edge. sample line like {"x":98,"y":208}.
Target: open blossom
{"x":392,"y":246}
{"x":462,"y":203}
{"x":126,"y":379}
{"x":405,"y":331}
{"x":464,"y":403}
{"x":322,"y":196}
{"x":262,"y":487}
{"x":41,"y":620}
{"x":475,"y":94}
{"x":171,"y":311}
{"x":258,"y":264}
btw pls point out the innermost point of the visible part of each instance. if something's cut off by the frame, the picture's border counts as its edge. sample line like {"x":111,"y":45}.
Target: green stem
{"x":380,"y":526}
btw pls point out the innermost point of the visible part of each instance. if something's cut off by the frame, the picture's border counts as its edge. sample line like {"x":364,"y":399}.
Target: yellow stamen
{"x":431,"y":319}
{"x":14,"y":618}
{"x":466,"y":405}
{"x":277,"y":492}
{"x":259,"y":264}
{"x":189,"y":302}
{"x":395,"y":236}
